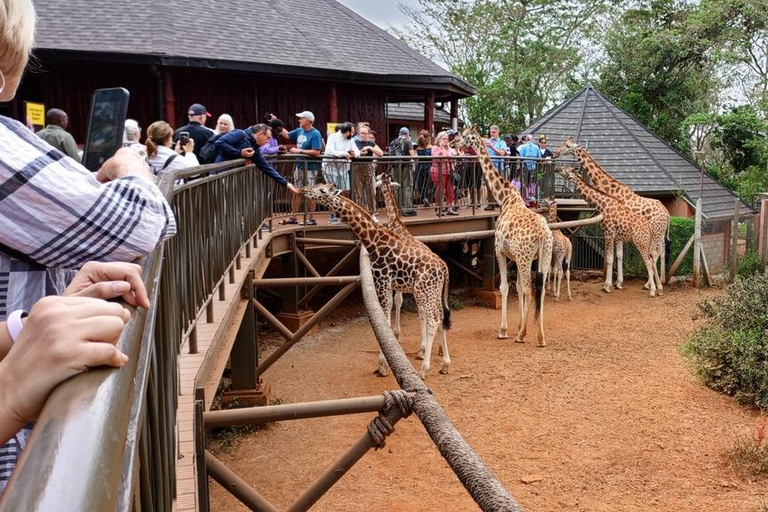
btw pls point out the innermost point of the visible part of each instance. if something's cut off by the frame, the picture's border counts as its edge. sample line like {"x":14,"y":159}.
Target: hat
{"x":197,"y":109}
{"x":307,"y":114}
{"x":405,"y":131}
{"x":451,"y":131}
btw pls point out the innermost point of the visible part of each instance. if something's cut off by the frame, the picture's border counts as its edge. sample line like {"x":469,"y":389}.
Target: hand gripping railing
{"x":479,"y":481}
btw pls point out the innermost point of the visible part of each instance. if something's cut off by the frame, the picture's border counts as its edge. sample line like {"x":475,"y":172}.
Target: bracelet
{"x":14,"y":323}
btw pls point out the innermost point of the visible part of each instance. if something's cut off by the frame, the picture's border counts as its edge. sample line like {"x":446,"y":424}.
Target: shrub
{"x":730,"y":351}
{"x":750,"y":456}
{"x":750,"y":265}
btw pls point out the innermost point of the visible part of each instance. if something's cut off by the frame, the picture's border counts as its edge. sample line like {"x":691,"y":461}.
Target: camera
{"x":184,"y":138}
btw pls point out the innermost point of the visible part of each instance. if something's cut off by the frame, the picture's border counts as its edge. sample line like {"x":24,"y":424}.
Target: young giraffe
{"x":620,"y":224}
{"x":651,"y":209}
{"x":397,"y":265}
{"x":562,"y":250}
{"x":396,"y":224}
{"x":521,"y":236}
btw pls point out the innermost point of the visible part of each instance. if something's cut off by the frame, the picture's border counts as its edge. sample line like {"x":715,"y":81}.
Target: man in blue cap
{"x":197,"y":115}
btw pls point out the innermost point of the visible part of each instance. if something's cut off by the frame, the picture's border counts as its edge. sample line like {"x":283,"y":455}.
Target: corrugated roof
{"x":322,"y":35}
{"x":630,"y":152}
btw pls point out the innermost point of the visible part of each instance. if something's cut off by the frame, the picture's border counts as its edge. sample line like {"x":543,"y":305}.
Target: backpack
{"x":396,"y":147}
{"x":208,"y":152}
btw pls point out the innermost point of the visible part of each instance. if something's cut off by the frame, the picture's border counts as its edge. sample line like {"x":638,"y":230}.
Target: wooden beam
{"x":680,"y":257}
{"x":429,"y":112}
{"x":333,"y":104}
{"x":697,"y":246}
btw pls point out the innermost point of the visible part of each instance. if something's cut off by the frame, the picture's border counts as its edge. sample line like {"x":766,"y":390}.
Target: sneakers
{"x":490,"y":208}
{"x":311,"y":222}
{"x":375,"y":218}
{"x":333,"y":219}
{"x":451,"y":211}
{"x":290,"y":220}
{"x":425,"y":202}
{"x":408,"y":213}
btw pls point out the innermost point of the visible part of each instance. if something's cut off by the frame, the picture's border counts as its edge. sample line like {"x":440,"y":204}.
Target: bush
{"x":749,"y":456}
{"x":750,"y":265}
{"x":730,"y":351}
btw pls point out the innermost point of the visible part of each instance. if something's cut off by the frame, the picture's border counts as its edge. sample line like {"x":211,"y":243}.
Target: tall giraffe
{"x":396,"y":224}
{"x":620,"y":224}
{"x":521,"y":236}
{"x":397,"y":265}
{"x":651,"y":209}
{"x":562,"y":251}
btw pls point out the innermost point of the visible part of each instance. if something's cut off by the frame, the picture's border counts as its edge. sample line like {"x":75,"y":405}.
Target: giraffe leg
{"x":659,"y":287}
{"x":649,"y":266}
{"x":423,"y":347}
{"x":557,"y":278}
{"x":444,"y":349}
{"x":524,"y":289}
{"x":398,"y":305}
{"x":385,"y":300}
{"x":568,"y":276}
{"x":504,"y":289}
{"x":663,"y":257}
{"x":619,"y":265}
{"x":540,"y":335}
{"x":608,"y":265}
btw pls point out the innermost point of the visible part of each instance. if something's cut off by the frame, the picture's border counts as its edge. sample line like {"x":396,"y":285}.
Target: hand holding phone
{"x":183,"y":138}
{"x":246,"y":152}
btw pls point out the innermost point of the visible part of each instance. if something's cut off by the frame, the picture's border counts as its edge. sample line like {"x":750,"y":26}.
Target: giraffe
{"x":397,"y":265}
{"x":651,"y":209}
{"x":562,"y":250}
{"x":521,"y":236}
{"x":620,"y":224}
{"x":396,"y":224}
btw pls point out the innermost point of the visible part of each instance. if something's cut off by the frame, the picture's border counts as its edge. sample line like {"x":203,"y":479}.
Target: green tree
{"x":521,"y":55}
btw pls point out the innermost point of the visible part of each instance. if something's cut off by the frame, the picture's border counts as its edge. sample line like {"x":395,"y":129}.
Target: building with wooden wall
{"x":241,"y":58}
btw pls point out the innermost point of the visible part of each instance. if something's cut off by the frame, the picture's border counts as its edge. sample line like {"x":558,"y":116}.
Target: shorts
{"x":300,"y":174}
{"x":340,"y":179}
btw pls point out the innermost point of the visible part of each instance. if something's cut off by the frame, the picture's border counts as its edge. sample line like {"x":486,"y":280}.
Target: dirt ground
{"x":609,"y":416}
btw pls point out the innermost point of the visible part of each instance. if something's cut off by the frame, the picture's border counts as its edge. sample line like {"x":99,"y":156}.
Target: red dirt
{"x":609,"y":415}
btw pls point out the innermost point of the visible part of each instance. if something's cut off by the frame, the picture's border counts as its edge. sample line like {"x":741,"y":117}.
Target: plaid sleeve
{"x":57,"y":213}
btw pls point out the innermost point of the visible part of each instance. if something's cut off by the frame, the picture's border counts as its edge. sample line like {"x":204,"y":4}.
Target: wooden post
{"x":333,"y":104}
{"x":697,"y":246}
{"x":454,"y":112}
{"x":763,"y":233}
{"x":429,"y":112}
{"x":170,"y":98}
{"x":735,"y":239}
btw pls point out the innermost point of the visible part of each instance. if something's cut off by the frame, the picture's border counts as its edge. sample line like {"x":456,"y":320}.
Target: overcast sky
{"x":383,"y":13}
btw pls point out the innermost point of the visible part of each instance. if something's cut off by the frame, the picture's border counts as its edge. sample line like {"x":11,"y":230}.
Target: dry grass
{"x":749,"y":456}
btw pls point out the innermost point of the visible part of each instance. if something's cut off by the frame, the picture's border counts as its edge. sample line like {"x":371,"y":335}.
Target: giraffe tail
{"x":538,"y":288}
{"x":446,"y":309}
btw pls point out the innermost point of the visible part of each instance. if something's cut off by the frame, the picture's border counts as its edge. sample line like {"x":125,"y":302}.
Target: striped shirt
{"x":53,"y":210}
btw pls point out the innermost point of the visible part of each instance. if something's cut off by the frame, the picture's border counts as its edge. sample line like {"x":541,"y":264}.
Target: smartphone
{"x":183,"y":138}
{"x":106,"y":124}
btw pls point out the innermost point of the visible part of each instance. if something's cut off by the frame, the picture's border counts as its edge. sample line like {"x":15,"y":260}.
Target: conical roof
{"x":631,"y":153}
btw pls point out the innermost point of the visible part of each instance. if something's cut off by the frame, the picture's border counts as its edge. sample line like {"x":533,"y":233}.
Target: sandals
{"x":311,"y":222}
{"x":291,"y":220}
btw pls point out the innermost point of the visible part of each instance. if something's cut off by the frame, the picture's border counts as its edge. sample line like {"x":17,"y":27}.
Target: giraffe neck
{"x":393,"y":215}
{"x":601,"y":179}
{"x":601,"y":200}
{"x":552,"y":213}
{"x":501,"y":189}
{"x":358,"y":220}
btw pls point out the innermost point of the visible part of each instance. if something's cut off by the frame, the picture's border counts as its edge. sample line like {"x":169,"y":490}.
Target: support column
{"x":429,"y":112}
{"x":454,"y":112}
{"x":333,"y":104}
{"x":292,"y":316}
{"x":763,"y":232}
{"x":170,"y":98}
{"x":489,"y":295}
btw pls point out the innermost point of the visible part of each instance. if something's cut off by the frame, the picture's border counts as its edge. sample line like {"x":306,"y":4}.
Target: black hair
{"x":345,"y":127}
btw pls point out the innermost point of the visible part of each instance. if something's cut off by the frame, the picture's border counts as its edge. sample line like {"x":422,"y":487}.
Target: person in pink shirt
{"x":441,"y":173}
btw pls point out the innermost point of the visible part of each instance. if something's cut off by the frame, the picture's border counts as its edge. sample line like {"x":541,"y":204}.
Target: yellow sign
{"x":332,"y":127}
{"x":36,"y":113}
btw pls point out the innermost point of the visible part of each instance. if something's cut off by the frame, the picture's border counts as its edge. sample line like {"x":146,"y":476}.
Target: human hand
{"x":281,"y":149}
{"x":189,"y":147}
{"x":62,"y":336}
{"x":108,"y":281}
{"x":126,"y":162}
{"x":246,"y":152}
{"x":293,"y":189}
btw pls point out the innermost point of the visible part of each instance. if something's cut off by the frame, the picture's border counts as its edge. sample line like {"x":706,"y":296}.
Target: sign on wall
{"x":34,"y":113}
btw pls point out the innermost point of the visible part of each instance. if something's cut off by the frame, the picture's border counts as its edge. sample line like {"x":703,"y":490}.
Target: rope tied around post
{"x":396,"y":402}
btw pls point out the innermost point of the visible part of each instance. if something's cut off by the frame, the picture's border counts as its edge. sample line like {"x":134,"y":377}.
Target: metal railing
{"x":107,"y":434}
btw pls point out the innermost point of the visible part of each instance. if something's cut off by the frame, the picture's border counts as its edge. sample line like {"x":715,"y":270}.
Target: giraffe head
{"x":569,"y":147}
{"x":385,"y":179}
{"x":323,"y":194}
{"x":547,"y":203}
{"x":569,"y":173}
{"x":469,"y":138}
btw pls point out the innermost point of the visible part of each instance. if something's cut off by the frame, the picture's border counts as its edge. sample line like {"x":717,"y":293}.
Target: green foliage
{"x":730,"y":351}
{"x":521,"y":55}
{"x":750,"y":265}
{"x":741,"y":136}
{"x":749,"y":456}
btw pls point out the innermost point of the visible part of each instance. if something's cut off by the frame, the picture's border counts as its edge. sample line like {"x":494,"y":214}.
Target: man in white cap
{"x":197,"y":115}
{"x":402,"y":170}
{"x":309,"y":142}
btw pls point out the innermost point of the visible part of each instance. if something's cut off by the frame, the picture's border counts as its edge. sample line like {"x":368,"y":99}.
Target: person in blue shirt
{"x":496,"y":148}
{"x":309,"y":142}
{"x":530,"y":150}
{"x":245,"y":144}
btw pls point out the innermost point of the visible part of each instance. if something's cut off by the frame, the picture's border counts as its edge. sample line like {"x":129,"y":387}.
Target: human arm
{"x":270,"y":148}
{"x":263,"y":166}
{"x":334,"y":148}
{"x":63,"y":217}
{"x":315,"y":144}
{"x":229,"y":144}
{"x":375,"y":149}
{"x":62,"y":336}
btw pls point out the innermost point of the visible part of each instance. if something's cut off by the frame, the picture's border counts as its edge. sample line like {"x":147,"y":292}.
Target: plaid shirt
{"x":54,"y":211}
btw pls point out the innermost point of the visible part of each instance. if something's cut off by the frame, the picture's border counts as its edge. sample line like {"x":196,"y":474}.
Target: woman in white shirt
{"x":162,"y":157}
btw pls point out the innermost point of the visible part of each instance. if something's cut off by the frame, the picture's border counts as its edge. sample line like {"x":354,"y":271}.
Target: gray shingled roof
{"x":322,"y":35}
{"x":630,"y":152}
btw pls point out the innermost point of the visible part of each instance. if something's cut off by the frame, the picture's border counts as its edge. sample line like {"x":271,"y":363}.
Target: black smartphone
{"x":106,"y":123}
{"x":184,"y":138}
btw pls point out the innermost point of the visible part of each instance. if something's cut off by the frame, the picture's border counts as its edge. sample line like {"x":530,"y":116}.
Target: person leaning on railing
{"x":64,"y":336}
{"x":245,"y":144}
{"x":56,"y":214}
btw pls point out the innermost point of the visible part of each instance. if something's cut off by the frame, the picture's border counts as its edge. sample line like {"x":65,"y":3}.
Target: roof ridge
{"x":546,"y":116}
